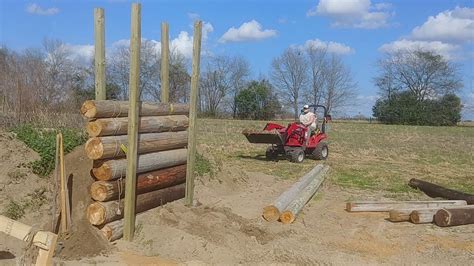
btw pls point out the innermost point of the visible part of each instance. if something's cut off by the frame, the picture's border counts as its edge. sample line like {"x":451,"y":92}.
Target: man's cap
{"x":305,"y":106}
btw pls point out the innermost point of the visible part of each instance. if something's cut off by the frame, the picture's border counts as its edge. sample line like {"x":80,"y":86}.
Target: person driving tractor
{"x":308,"y":119}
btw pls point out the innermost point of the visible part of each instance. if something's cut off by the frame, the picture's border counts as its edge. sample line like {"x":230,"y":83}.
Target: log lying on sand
{"x":290,"y":212}
{"x":113,"y":169}
{"x":272,"y":212}
{"x":148,"y":124}
{"x":453,"y":217}
{"x":418,"y":215}
{"x":423,"y":216}
{"x":110,"y":147}
{"x":434,"y":191}
{"x":146,"y":182}
{"x":99,"y":213}
{"x":386,"y":206}
{"x":107,"y":108}
{"x":399,"y":215}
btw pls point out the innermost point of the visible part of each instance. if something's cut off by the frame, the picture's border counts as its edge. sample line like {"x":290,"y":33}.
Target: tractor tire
{"x":321,"y":152}
{"x":271,"y":154}
{"x":296,"y":156}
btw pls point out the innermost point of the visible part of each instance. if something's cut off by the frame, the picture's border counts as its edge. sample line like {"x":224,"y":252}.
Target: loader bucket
{"x":265,"y":137}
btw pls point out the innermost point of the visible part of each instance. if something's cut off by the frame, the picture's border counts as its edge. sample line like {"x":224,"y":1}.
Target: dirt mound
{"x":83,"y":241}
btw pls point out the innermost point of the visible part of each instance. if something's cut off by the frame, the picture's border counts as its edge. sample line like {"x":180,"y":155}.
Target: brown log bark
{"x":113,"y":230}
{"x":108,"y":108}
{"x":110,"y":147}
{"x":453,"y":217}
{"x":148,"y":124}
{"x":427,"y":215}
{"x":113,"y":169}
{"x":146,"y":182}
{"x":386,"y":206}
{"x":434,"y":191}
{"x":99,"y":213}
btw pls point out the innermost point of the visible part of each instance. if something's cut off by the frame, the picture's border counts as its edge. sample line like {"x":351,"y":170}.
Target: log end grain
{"x":102,"y":172}
{"x":442,"y":218}
{"x":94,"y":128}
{"x":96,"y":213}
{"x":98,"y":191}
{"x":94,"y":148}
{"x":415,"y":217}
{"x":88,"y":109}
{"x":287,"y":217}
{"x":107,"y":232}
{"x":271,"y":213}
{"x":349,"y":206}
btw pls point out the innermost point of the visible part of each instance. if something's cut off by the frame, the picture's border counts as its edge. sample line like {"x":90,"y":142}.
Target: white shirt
{"x":305,"y":118}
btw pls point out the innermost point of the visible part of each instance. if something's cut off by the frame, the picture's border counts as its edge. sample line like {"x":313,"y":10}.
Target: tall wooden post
{"x":193,"y":114}
{"x":99,"y":56}
{"x":134,"y":83}
{"x":165,"y":63}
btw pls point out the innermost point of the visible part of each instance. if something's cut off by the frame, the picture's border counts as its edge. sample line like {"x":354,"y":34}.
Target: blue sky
{"x":359,"y":30}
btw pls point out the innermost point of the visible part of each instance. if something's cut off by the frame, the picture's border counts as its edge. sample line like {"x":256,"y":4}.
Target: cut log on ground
{"x":272,"y":212}
{"x":453,"y":217}
{"x":109,"y":147}
{"x":46,"y":241}
{"x":146,"y":182}
{"x":99,"y":213}
{"x":404,"y":215}
{"x":427,"y":215}
{"x":106,"y":108}
{"x":435,"y":191}
{"x":113,"y":169}
{"x":386,"y":206}
{"x":113,"y":230}
{"x":148,"y":124}
{"x":290,"y":212}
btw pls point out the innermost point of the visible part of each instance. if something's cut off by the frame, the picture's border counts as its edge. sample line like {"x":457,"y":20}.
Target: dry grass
{"x":362,"y":156}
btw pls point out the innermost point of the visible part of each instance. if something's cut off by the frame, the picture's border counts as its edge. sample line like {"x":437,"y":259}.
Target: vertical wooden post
{"x":165,"y":63}
{"x":134,"y":83}
{"x":193,"y":114}
{"x":99,"y":56}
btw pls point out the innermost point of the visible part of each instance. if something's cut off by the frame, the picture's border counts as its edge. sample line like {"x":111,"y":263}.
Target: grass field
{"x":368,"y":157}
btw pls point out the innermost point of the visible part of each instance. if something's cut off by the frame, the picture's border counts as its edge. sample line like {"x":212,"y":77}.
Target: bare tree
{"x":290,"y":75}
{"x":179,"y":78}
{"x":239,"y":74}
{"x":317,"y":60}
{"x":424,"y":73}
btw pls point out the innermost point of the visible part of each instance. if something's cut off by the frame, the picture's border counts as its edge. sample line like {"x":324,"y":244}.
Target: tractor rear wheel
{"x":321,"y":152}
{"x":296,"y":156}
{"x":271,"y":153}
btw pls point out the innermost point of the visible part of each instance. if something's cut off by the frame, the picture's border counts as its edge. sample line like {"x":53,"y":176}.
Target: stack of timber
{"x":451,"y":212}
{"x":289,"y":203}
{"x":161,"y":166}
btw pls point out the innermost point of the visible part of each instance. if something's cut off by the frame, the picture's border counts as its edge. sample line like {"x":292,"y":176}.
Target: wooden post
{"x":165,"y":63}
{"x":99,"y":56}
{"x":193,"y":114}
{"x":65,"y":206}
{"x":134,"y":83}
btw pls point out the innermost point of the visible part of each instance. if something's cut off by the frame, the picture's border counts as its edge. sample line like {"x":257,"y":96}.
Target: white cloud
{"x":353,"y":13}
{"x":248,"y":31}
{"x":332,"y":47}
{"x":193,"y":16}
{"x":449,"y":25}
{"x":81,"y":53}
{"x":449,"y":51}
{"x":38,"y":10}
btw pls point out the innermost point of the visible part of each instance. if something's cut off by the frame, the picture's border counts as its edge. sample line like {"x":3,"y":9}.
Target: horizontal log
{"x":435,"y":191}
{"x":113,"y":169}
{"x":273,"y":211}
{"x":107,"y":108}
{"x":289,"y":214}
{"x":386,"y":206}
{"x":146,"y":182}
{"x":148,"y":124}
{"x":99,"y":213}
{"x":454,"y":217}
{"x":110,"y":147}
{"x":403,"y":215}
{"x":427,"y":215}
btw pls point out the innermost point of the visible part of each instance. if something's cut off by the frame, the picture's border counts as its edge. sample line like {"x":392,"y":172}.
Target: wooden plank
{"x":65,"y":205}
{"x":109,"y":147}
{"x":454,"y":217}
{"x":93,"y":109}
{"x":134,"y":94}
{"x":386,"y":206}
{"x":99,"y":54}
{"x":435,"y":191}
{"x":165,"y":63}
{"x":273,"y":211}
{"x":149,"y":124}
{"x":191,"y":158}
{"x":289,"y":214}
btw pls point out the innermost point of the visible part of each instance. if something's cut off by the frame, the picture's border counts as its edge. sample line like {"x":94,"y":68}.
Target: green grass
{"x":362,"y":156}
{"x":44,"y":143}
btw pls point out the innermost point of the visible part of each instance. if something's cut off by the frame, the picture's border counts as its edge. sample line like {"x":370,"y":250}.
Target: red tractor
{"x":291,"y":141}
